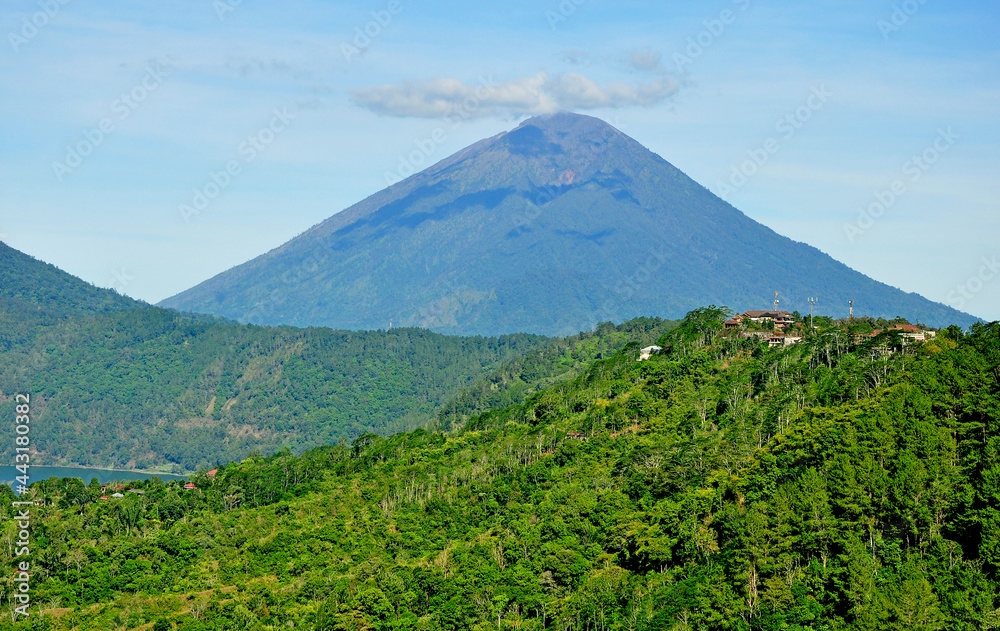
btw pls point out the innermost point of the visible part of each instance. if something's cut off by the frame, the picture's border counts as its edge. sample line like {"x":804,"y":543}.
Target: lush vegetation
{"x":842,"y":483}
{"x":118,"y":383}
{"x":148,"y":387}
{"x":546,"y":367}
{"x":34,"y":294}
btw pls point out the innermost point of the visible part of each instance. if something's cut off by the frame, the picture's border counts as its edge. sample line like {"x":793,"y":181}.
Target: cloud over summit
{"x":539,"y":94}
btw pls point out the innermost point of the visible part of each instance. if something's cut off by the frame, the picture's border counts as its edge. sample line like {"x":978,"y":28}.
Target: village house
{"x":648,"y":352}
{"x":780,"y":339}
{"x":908,"y":331}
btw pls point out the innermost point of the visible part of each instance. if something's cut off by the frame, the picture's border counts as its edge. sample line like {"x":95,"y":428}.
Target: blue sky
{"x":182,"y":87}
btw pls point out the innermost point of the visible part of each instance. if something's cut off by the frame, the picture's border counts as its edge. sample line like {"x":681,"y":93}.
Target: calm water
{"x":37,"y":473}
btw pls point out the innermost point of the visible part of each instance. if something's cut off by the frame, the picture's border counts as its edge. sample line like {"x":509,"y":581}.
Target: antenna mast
{"x":775,"y":301}
{"x":852,"y":309}
{"x":812,"y":303}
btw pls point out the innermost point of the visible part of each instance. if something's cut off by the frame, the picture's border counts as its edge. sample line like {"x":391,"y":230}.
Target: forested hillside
{"x":32,"y":288}
{"x":149,"y":387}
{"x":720,"y":485}
{"x":552,"y":364}
{"x":34,"y":294}
{"x":115,"y":382}
{"x":119,"y":383}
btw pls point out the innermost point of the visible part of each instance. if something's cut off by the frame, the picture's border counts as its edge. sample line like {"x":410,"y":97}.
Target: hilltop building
{"x":780,"y":319}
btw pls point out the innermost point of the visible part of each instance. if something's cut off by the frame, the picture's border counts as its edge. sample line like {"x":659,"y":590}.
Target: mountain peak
{"x":559,"y":133}
{"x":566,"y":122}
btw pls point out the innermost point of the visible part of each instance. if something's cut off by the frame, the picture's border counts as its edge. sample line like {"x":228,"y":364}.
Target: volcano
{"x":549,"y":228}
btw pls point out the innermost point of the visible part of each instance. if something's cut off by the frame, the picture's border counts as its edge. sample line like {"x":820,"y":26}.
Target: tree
{"x":128,"y":511}
{"x":915,"y":606}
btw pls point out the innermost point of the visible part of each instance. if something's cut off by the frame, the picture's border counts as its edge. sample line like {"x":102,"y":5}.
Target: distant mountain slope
{"x":550,"y":228}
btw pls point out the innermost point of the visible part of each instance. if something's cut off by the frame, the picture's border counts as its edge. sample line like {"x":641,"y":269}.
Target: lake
{"x":103,"y":476}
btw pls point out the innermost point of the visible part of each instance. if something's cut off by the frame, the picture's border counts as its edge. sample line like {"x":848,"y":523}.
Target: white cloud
{"x":538,"y":94}
{"x":648,"y":60}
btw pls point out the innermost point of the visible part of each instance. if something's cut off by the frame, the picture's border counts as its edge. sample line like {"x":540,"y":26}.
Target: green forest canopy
{"x":835,"y":484}
{"x":152,"y":388}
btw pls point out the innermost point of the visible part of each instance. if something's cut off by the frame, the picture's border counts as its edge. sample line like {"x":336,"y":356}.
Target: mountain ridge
{"x":115,"y":381}
{"x":33,"y":285}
